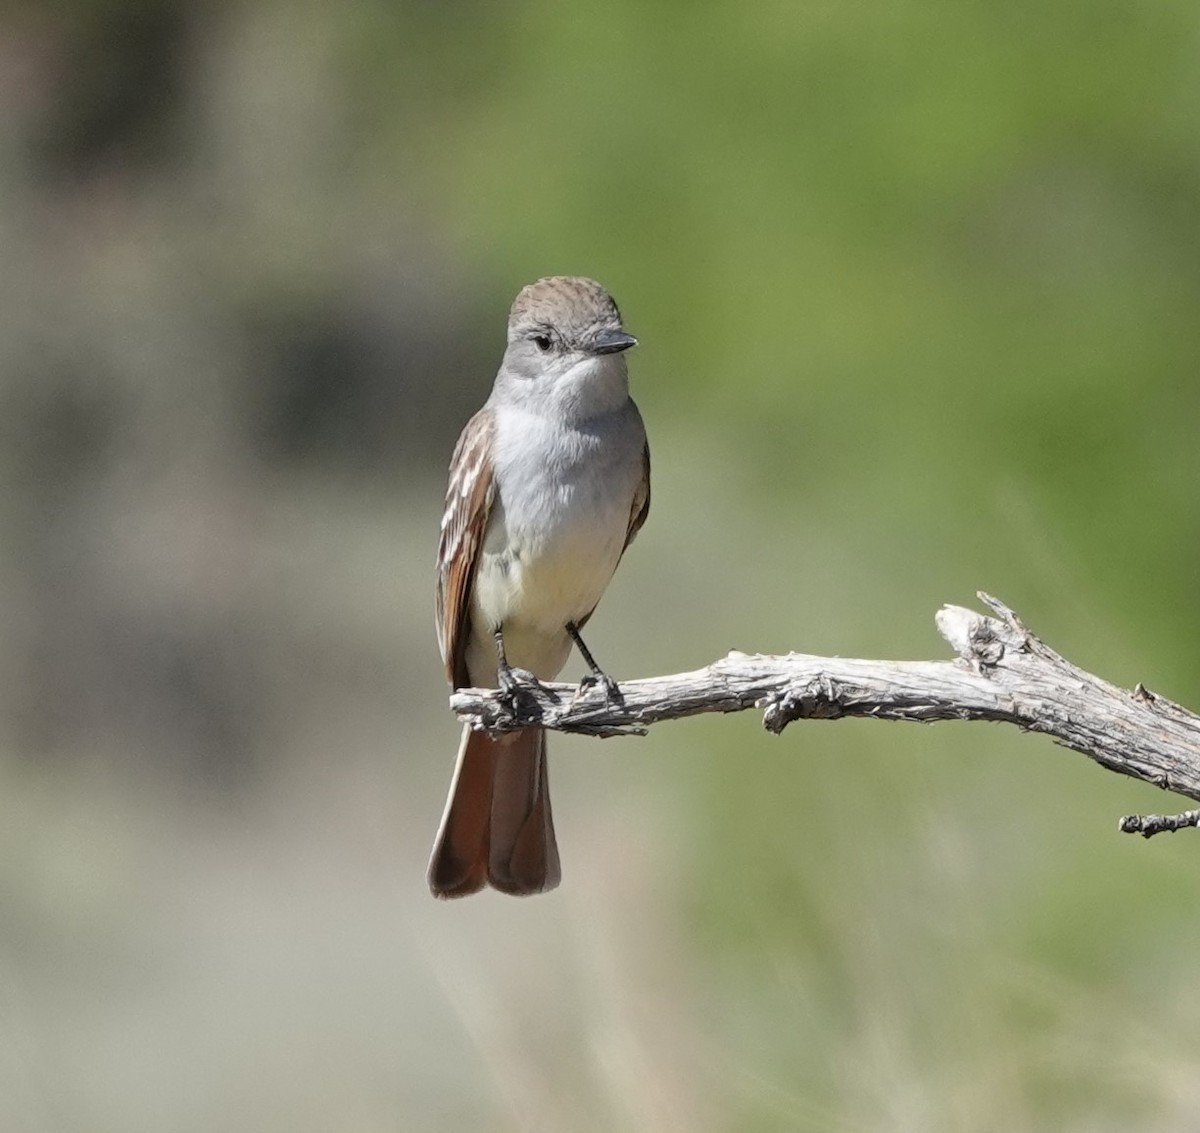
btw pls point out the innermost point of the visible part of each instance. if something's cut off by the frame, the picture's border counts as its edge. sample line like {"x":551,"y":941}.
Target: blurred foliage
{"x":915,"y":285}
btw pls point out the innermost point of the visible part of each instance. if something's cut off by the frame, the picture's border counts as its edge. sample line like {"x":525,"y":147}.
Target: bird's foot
{"x":519,"y":688}
{"x":596,"y":677}
{"x":609,"y":688}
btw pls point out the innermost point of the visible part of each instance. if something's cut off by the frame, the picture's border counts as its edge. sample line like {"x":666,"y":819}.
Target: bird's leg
{"x":515,"y":683}
{"x":597,"y":676}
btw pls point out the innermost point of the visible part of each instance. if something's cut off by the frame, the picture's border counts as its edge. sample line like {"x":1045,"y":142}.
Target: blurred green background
{"x":917,"y":288}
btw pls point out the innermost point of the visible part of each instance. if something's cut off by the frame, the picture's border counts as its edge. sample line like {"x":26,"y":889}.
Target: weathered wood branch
{"x":1002,"y":673}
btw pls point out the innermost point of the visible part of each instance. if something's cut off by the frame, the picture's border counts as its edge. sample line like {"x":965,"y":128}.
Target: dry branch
{"x":1002,"y":673}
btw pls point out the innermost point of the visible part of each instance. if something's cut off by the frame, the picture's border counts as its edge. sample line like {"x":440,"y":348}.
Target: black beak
{"x":612,"y":342}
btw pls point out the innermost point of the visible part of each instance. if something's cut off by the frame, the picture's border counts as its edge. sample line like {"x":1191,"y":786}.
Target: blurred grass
{"x":915,"y":287}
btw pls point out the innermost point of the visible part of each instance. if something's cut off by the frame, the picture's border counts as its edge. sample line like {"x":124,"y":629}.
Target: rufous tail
{"x":497,"y":828}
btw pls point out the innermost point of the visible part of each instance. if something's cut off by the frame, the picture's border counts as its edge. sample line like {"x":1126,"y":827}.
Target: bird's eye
{"x":542,"y":342}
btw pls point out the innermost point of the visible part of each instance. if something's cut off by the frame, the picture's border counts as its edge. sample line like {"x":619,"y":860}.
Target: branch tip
{"x":977,"y":638}
{"x":956,"y":625}
{"x":1018,"y":629}
{"x":1147,"y":825}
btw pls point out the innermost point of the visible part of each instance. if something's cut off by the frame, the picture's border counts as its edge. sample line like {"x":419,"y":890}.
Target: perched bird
{"x":549,"y":483}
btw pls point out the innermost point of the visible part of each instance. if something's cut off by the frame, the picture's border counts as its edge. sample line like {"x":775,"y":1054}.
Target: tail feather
{"x":523,"y":856}
{"x":458,"y":864}
{"x":497,"y":827}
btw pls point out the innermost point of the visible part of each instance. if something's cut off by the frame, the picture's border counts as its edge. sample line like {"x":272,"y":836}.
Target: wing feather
{"x":641,"y":500}
{"x":468,"y":503}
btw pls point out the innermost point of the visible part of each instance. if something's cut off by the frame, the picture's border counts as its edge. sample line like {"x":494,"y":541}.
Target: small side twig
{"x":1147,"y":825}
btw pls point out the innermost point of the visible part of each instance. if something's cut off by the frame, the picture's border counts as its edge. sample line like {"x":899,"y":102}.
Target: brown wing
{"x":468,"y":504}
{"x":641,"y":500}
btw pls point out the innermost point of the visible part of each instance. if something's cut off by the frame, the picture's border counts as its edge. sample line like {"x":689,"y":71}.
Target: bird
{"x":549,"y":484}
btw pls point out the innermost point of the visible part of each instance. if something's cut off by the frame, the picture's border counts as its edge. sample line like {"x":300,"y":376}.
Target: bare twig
{"x":1147,"y":825}
{"x":1002,"y":673}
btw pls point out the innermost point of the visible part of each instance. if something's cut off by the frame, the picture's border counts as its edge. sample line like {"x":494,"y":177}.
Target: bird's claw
{"x":608,"y":687}
{"x":519,"y":688}
{"x":515,"y":681}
